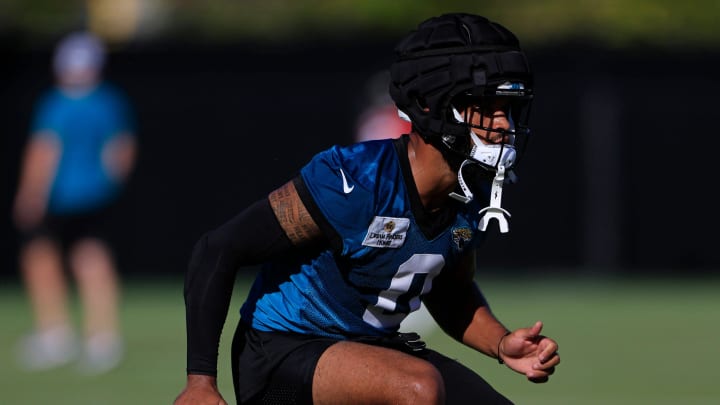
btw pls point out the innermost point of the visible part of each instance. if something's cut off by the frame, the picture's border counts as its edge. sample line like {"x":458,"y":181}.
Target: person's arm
{"x":38,"y":169}
{"x":459,"y":307}
{"x":119,"y":155}
{"x":269,"y":228}
{"x":461,"y":310}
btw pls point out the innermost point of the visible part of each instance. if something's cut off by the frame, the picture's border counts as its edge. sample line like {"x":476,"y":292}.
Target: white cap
{"x":79,"y":51}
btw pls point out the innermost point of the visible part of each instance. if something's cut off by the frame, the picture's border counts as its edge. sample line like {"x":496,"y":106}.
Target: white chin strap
{"x":500,"y":156}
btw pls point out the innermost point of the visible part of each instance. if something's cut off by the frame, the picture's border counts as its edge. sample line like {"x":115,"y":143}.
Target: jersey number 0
{"x":413,"y":278}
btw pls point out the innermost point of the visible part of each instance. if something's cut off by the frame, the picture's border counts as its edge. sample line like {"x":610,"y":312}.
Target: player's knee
{"x":91,"y":258}
{"x":40,"y":249}
{"x":427,"y":387}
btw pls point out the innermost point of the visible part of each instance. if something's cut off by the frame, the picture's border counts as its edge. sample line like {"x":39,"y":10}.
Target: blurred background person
{"x":379,"y":117}
{"x":80,"y":152}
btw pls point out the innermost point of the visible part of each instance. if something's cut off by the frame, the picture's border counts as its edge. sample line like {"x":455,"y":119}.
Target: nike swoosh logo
{"x":347,"y":189}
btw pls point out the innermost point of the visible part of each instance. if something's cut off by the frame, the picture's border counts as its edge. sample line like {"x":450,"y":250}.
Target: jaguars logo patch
{"x":461,"y":236}
{"x":389,"y":226}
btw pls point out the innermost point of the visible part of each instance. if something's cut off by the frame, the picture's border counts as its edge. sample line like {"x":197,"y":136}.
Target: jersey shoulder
{"x":350,"y":184}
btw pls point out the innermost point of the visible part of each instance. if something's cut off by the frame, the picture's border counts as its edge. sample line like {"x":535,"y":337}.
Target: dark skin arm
{"x":294,"y":218}
{"x":460,"y":309}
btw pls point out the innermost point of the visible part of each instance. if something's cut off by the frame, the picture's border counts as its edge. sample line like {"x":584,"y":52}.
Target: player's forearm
{"x":484,"y":332}
{"x":208,"y":290}
{"x":453,"y":306}
{"x":252,"y":237}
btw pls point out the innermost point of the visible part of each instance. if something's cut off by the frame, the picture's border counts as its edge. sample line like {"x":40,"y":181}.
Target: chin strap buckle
{"x":495,"y":210}
{"x":463,"y":186}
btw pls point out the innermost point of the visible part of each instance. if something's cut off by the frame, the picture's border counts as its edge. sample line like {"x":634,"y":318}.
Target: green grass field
{"x":637,"y":341}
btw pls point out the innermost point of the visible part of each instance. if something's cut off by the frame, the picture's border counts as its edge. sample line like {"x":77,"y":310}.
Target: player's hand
{"x":528,"y":352}
{"x":200,"y":390}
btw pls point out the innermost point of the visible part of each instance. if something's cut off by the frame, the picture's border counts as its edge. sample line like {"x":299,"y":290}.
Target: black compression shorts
{"x":272,"y":368}
{"x":275,"y":368}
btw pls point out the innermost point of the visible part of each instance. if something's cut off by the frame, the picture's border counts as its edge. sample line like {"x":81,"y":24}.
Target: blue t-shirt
{"x":83,"y":126}
{"x":387,"y":260}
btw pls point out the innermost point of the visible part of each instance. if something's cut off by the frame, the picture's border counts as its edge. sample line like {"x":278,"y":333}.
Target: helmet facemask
{"x":493,"y":142}
{"x":490,"y":142}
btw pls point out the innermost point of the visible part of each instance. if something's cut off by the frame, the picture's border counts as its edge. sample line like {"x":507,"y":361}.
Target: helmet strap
{"x":463,"y":186}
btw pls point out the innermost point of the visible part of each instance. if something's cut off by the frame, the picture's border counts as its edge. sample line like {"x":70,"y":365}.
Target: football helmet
{"x":455,"y":78}
{"x":453,"y":67}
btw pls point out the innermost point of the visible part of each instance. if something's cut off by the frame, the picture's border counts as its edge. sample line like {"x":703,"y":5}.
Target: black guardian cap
{"x":456,"y":59}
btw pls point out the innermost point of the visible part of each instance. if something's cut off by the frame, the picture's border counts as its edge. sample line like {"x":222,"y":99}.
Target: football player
{"x":364,"y":233}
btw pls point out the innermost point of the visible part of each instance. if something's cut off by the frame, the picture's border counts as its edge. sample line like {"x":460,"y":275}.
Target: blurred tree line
{"x":610,"y":23}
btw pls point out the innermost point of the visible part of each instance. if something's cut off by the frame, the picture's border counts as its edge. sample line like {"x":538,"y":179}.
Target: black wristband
{"x":499,"y":358}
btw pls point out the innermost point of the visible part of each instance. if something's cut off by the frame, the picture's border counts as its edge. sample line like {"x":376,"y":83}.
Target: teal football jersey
{"x":391,"y":248}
